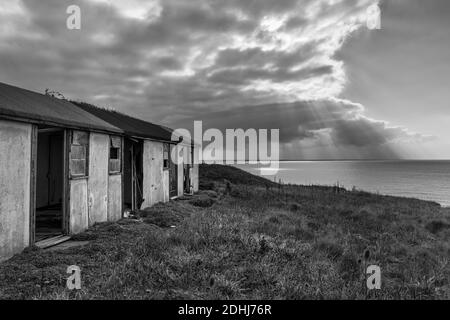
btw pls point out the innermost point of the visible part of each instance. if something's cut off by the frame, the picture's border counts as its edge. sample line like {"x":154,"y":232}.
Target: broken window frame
{"x":115,"y":164}
{"x":166,"y":156}
{"x":79,"y":143}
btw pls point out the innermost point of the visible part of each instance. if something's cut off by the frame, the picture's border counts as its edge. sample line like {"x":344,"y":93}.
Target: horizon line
{"x":318,"y":160}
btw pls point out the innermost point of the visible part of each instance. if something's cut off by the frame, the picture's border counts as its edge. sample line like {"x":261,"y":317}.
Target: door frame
{"x":173,"y":172}
{"x":187,"y":178}
{"x":33,"y":180}
{"x":133,"y":177}
{"x":66,"y":183}
{"x":65,"y":228}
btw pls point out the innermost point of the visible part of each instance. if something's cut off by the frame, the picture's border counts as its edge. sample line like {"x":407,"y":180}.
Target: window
{"x":166,"y":149}
{"x":79,"y":150}
{"x":115,"y":155}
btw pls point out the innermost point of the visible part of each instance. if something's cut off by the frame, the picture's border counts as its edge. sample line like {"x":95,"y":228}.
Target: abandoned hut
{"x":144,"y":140}
{"x":66,"y":165}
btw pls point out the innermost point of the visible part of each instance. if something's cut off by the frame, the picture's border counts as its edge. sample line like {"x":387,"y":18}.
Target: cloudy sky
{"x":311,"y":68}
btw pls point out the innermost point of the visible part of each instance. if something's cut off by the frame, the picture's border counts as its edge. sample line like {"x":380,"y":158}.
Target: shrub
{"x":207,"y":185}
{"x":227,"y":186}
{"x":209,"y":193}
{"x":202,"y":202}
{"x":437,"y":226}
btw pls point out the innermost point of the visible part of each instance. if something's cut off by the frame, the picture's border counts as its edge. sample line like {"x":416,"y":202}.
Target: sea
{"x":426,"y":180}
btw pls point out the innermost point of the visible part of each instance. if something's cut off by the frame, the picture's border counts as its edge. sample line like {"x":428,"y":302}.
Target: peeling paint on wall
{"x":115,"y":197}
{"x":166,"y":185}
{"x":154,"y":187}
{"x":15,"y":169}
{"x":78,"y":206}
{"x":98,"y":178}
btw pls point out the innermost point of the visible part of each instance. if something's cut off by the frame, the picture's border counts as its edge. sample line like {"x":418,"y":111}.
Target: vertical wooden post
{"x":33,"y":174}
{"x":66,"y":183}
{"x":122,"y":170}
{"x":133,"y":196}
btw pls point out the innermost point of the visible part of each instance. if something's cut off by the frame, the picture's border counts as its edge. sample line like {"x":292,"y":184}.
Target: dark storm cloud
{"x":341,"y":120}
{"x":362,"y":132}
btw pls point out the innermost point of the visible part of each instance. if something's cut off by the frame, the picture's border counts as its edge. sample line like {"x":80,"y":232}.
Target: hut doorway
{"x":133,"y":174}
{"x":187,"y":179}
{"x":49,"y":202}
{"x":173,"y":173}
{"x":188,"y":165}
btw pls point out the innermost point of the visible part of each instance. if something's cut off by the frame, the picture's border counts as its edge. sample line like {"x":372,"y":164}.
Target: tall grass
{"x":251,"y":240}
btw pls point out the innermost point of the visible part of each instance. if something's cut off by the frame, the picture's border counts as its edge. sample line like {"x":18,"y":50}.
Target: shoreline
{"x":389,"y":189}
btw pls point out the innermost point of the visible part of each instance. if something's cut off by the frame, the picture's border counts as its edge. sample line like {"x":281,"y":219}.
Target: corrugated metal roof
{"x":131,"y":126}
{"x":21,"y":104}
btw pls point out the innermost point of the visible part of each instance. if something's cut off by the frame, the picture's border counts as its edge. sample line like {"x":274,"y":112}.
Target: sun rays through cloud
{"x":176,"y":61}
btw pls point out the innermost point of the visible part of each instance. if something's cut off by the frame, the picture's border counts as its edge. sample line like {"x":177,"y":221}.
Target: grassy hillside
{"x":210,"y":174}
{"x":245,"y":238}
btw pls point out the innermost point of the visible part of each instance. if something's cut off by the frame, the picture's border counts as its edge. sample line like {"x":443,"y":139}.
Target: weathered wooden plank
{"x":52,"y":241}
{"x":98,"y":178}
{"x":33,"y":174}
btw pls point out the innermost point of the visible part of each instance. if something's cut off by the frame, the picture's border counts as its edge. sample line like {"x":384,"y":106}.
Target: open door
{"x":133,"y":174}
{"x":49,"y":191}
{"x":173,"y":174}
{"x":188,"y":165}
{"x":187,"y":178}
